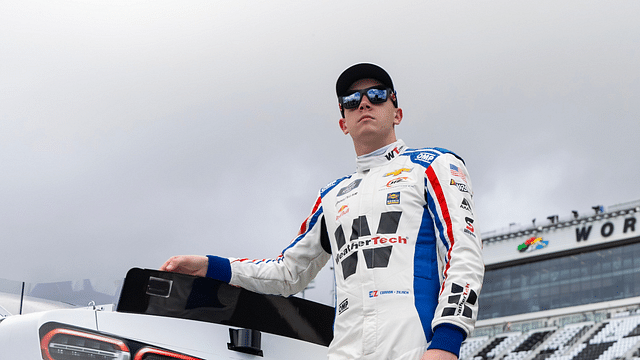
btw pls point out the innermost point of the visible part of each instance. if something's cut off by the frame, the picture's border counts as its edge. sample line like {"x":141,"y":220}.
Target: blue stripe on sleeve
{"x":434,"y":210}
{"x":426,"y":282}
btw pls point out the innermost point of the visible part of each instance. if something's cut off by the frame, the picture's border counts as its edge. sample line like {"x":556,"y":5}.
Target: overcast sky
{"x":131,"y":131}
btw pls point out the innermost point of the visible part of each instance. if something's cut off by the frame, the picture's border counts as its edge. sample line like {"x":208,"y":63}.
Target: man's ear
{"x":398,"y":117}
{"x":343,"y":126}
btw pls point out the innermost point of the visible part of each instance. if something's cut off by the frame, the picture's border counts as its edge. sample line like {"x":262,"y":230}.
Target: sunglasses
{"x":375,"y":94}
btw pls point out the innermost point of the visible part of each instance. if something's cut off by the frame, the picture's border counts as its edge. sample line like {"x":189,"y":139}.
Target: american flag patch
{"x":456,"y":172}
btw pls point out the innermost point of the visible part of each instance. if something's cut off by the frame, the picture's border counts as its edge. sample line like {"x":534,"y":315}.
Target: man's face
{"x":370,"y":122}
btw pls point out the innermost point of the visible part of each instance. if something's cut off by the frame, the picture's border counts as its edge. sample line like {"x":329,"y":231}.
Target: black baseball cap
{"x":362,"y":71}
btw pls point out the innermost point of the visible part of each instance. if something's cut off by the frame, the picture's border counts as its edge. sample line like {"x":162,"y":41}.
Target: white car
{"x":162,"y":316}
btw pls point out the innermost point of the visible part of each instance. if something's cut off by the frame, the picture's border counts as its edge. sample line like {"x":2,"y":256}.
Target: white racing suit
{"x":407,"y":259}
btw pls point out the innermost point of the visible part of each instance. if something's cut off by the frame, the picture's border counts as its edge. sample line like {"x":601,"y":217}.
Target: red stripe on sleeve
{"x":442,"y":203}
{"x":303,"y":227}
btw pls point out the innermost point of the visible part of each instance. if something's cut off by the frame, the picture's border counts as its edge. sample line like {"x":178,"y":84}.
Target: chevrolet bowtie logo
{"x":397,"y":172}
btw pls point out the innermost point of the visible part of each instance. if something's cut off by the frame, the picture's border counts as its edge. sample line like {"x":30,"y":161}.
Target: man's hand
{"x":187,"y":264}
{"x":437,"y":354}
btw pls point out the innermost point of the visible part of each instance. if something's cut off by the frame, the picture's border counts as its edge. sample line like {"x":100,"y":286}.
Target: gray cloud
{"x":133,"y":131}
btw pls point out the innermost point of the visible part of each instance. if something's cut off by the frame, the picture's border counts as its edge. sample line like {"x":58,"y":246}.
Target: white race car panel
{"x":197,"y":325}
{"x":19,"y":338}
{"x":209,"y":339}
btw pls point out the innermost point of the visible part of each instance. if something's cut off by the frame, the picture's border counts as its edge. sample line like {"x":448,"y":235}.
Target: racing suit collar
{"x":380,"y":156}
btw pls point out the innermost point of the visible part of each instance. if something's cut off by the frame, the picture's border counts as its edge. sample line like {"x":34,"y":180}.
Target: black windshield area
{"x":160,"y":293}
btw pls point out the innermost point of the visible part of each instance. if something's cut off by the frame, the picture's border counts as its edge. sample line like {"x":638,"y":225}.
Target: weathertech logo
{"x":460,"y":296}
{"x":376,"y":240}
{"x":375,"y":250}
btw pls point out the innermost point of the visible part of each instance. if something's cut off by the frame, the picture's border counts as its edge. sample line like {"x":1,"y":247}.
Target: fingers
{"x":187,"y":264}
{"x":168,"y":265}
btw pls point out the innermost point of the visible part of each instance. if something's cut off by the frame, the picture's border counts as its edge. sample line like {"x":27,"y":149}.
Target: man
{"x":401,"y":231}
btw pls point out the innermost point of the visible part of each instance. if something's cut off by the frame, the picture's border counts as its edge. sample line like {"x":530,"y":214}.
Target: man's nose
{"x":364,"y":103}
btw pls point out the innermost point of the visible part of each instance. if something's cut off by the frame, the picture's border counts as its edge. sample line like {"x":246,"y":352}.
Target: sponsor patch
{"x":371,"y":243}
{"x":397,"y":181}
{"x":347,"y":189}
{"x":397,"y":172}
{"x":346,"y":197}
{"x":425,"y":157}
{"x":328,"y":185}
{"x":377,"y":293}
{"x":344,"y":306}
{"x":461,"y":186}
{"x":393,"y":198}
{"x":469,"y":229}
{"x":460,"y":297}
{"x":375,"y":251}
{"x":391,"y":154}
{"x":344,"y":209}
{"x":466,"y":206}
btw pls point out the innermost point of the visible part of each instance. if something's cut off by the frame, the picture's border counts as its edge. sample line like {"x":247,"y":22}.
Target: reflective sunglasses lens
{"x":377,"y":96}
{"x":351,"y":101}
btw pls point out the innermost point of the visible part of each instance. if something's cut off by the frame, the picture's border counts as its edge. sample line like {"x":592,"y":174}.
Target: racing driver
{"x":401,"y":232}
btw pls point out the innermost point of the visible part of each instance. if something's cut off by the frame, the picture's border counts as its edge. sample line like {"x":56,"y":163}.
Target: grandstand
{"x":565,"y":290}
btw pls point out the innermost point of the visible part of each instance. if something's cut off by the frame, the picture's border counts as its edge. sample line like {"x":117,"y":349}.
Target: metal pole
{"x":21,"y":298}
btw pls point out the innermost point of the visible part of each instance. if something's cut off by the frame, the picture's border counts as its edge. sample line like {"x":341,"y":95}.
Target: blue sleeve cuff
{"x":219,"y":268}
{"x":448,"y":337}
